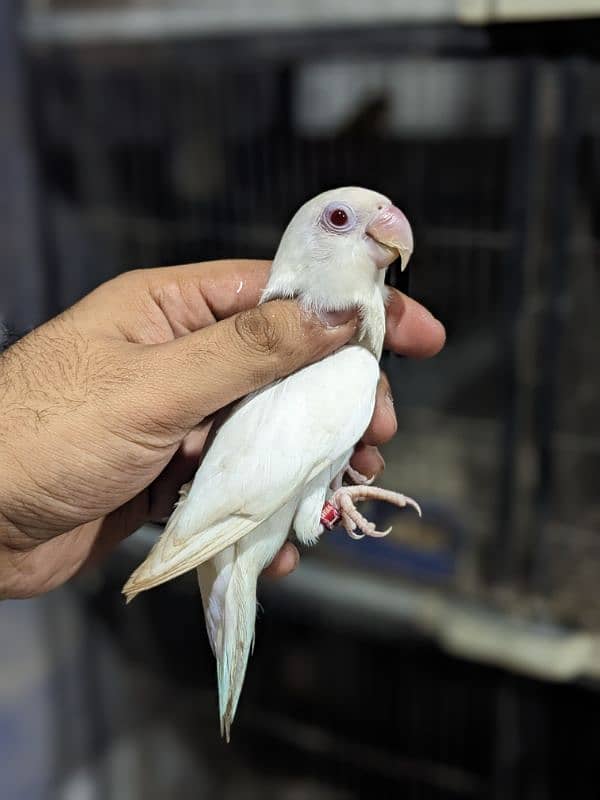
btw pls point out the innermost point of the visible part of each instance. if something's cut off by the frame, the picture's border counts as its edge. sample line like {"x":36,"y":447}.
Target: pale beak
{"x":390,"y":229}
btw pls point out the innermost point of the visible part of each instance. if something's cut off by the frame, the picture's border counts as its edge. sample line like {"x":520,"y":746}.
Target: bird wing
{"x":273,"y":443}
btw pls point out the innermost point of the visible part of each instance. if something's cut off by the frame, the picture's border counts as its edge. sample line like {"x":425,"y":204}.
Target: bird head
{"x":334,"y":253}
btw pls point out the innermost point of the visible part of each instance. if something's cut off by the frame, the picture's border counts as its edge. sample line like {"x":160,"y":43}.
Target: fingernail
{"x":389,"y":400}
{"x":334,"y":319}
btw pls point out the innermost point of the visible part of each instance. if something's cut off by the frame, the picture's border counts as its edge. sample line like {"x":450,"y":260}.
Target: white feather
{"x":263,"y":456}
{"x":239,"y":509}
{"x":307,"y":521}
{"x":231,"y":598}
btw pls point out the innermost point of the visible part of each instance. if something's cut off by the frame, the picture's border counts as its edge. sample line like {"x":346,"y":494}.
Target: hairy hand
{"x":107,"y":407}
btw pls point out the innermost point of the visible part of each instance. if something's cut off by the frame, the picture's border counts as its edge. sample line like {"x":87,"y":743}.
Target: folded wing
{"x":262,"y":457}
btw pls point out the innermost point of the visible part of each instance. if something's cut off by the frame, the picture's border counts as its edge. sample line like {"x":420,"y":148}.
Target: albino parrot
{"x":277,"y":463}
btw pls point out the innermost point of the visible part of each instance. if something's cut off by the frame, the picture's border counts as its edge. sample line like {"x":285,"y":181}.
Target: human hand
{"x":107,"y":407}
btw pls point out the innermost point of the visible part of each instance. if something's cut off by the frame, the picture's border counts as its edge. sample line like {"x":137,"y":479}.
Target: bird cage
{"x":170,"y":146}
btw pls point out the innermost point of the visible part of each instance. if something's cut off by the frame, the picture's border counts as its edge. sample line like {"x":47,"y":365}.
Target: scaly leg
{"x":343,"y":501}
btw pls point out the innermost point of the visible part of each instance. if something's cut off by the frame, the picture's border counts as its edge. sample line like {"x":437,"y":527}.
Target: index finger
{"x":228,"y":286}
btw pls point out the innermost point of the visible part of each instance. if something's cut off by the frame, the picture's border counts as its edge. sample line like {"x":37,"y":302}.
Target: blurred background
{"x":459,"y":657}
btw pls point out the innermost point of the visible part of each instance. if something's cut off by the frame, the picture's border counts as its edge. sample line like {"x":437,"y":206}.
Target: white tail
{"x":228,"y":586}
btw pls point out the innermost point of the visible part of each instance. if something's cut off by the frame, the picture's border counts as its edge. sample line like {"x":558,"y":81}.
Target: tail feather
{"x":213,"y":580}
{"x":228,"y":586}
{"x":238,"y":634}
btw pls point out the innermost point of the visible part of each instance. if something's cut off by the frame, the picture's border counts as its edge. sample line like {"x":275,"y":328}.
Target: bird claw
{"x":351,"y":519}
{"x":350,"y":527}
{"x":357,"y":477}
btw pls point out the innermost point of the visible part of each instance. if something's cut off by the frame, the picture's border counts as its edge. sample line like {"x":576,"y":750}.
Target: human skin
{"x":106,"y":408}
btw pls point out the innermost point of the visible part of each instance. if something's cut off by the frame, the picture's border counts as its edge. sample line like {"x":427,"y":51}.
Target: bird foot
{"x":354,"y":475}
{"x":357,"y":477}
{"x":341,"y":508}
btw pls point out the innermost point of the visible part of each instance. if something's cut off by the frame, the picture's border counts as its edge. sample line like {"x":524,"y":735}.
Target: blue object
{"x":387,"y":554}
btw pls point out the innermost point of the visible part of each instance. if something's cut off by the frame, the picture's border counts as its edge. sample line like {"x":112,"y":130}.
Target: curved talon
{"x":399,"y":500}
{"x":381,"y":534}
{"x":408,"y":501}
{"x":355,"y":536}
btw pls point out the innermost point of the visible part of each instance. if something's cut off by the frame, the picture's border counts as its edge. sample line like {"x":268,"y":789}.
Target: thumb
{"x":204,"y":371}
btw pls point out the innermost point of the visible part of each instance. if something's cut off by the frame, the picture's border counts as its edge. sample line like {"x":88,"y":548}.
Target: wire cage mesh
{"x":566,"y":429}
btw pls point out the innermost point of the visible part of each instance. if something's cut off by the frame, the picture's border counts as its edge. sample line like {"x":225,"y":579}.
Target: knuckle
{"x":130,"y":275}
{"x":261,"y":332}
{"x":124,"y":281}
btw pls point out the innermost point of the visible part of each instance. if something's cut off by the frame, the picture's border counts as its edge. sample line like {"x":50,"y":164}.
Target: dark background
{"x":458,"y":657}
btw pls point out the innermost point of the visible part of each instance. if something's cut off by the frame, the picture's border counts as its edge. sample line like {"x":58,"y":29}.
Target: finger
{"x":57,"y":560}
{"x":284,"y":562}
{"x":230,"y":286}
{"x":191,"y":377}
{"x":152,"y":305}
{"x":367,"y":460}
{"x":383,"y":423}
{"x":89,"y":544}
{"x":411,"y":329}
{"x":227,"y":287}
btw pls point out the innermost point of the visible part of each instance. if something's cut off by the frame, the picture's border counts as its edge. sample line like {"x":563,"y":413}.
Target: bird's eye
{"x":338,"y":217}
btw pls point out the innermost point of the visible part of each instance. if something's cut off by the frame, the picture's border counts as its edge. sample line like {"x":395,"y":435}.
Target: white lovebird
{"x":277,"y":463}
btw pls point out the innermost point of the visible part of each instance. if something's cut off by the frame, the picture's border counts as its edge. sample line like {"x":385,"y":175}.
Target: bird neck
{"x":369,"y":301}
{"x":371,"y":331}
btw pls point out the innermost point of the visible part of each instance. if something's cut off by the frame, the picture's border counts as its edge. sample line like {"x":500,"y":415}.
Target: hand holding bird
{"x":115,"y":395}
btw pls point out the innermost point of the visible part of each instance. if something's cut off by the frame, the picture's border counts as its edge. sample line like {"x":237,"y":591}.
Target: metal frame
{"x":562,"y":215}
{"x":211,"y":19}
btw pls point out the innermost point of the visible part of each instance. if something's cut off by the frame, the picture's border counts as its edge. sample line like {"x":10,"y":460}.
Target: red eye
{"x":338,"y":217}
